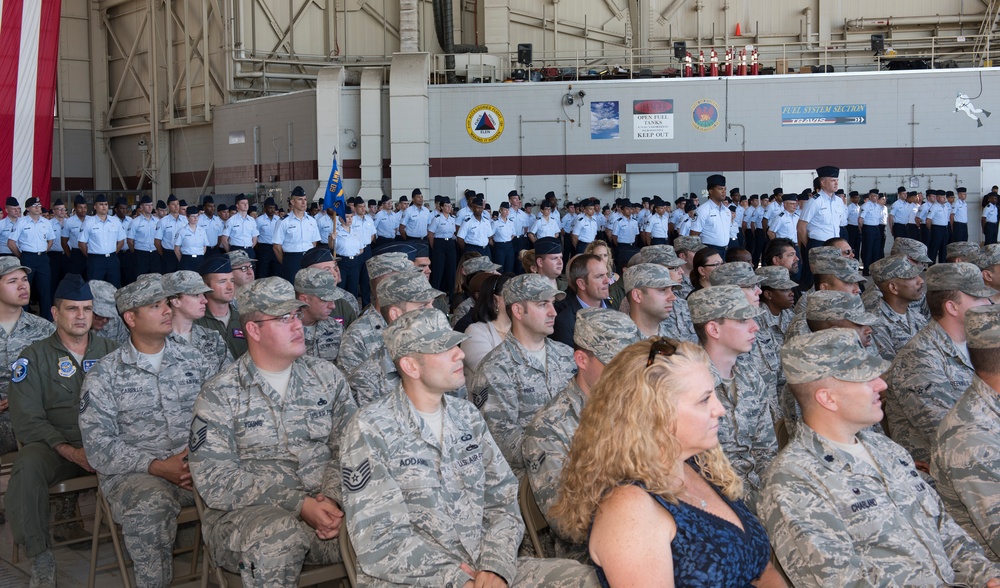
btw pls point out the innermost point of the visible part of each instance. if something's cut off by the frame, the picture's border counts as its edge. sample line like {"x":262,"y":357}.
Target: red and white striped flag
{"x":29,"y":55}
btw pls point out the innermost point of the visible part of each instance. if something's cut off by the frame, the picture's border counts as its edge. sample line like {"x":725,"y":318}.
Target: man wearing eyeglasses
{"x":135,"y":410}
{"x":265,"y":446}
{"x":243,"y":267}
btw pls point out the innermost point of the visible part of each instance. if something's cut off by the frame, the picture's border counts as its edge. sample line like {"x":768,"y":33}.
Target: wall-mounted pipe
{"x":808,"y":13}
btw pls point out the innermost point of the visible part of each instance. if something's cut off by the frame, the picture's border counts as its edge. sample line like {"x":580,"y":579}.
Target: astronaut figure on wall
{"x":963,"y":103}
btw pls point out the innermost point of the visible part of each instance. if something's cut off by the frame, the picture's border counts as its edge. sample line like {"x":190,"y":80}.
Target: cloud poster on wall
{"x":604,"y":121}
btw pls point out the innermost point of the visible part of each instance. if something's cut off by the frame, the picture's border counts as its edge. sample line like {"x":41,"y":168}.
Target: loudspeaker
{"x":524,"y":53}
{"x":878,"y":42}
{"x":680,"y":49}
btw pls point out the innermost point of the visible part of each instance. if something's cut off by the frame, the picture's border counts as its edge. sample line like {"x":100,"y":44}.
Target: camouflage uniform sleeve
{"x":219,"y":350}
{"x":544,"y":453}
{"x":107,"y":451}
{"x":809,"y":537}
{"x":914,"y":377}
{"x":215,"y":463}
{"x":27,"y":410}
{"x":969,"y":455}
{"x":503,"y":528}
{"x":492,"y":392}
{"x":765,"y":446}
{"x":378,"y":520}
{"x":344,"y":410}
{"x":967,"y":558}
{"x":351,"y":351}
{"x":368,"y":382}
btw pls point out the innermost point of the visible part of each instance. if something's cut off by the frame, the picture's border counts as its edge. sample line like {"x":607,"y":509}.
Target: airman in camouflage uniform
{"x":900,"y":282}
{"x":678,"y":324}
{"x":776,"y":277}
{"x":962,"y":251}
{"x":932,"y":371}
{"x":746,"y":431}
{"x":964,"y":460}
{"x":599,"y":335}
{"x":428,"y":498}
{"x":524,"y":372}
{"x":397,"y":294}
{"x":824,"y":256}
{"x":221,"y":315}
{"x":243,"y":267}
{"x":916,"y":253}
{"x":134,"y":415}
{"x":44,"y":405}
{"x":836,"y":498}
{"x":687,"y":246}
{"x":471,"y":266}
{"x":315,"y":288}
{"x":208,"y":341}
{"x":988,"y":261}
{"x":829,"y":309}
{"x":107,"y":323}
{"x":265,"y":450}
{"x":28,"y":328}
{"x":346,"y":309}
{"x":842,"y":275}
{"x":363,"y":338}
{"x":765,"y":348}
{"x":651,"y":299}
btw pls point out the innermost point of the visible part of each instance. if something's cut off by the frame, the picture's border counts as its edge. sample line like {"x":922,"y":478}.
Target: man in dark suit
{"x":589,"y":281}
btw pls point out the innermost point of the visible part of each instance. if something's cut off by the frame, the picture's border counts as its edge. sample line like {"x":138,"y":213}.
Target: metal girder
{"x":129,"y":55}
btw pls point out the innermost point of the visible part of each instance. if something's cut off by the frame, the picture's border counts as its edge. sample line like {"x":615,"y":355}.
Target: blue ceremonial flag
{"x":335,"y":190}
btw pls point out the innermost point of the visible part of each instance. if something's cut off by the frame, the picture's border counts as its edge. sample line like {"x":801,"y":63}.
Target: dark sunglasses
{"x":661,"y":346}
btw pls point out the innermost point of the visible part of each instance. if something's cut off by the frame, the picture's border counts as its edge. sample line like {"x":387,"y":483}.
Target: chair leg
{"x":95,"y":541}
{"x":116,"y":540}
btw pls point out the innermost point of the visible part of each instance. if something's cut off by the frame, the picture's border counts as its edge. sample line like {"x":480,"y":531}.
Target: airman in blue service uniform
{"x":294,"y":235}
{"x":30,"y":240}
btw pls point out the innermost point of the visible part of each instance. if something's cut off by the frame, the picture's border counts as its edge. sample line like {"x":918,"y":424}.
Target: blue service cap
{"x":191,"y":210}
{"x":100,"y":198}
{"x":405,"y":247}
{"x":716,"y":180}
{"x":547,"y":246}
{"x":270,"y":202}
{"x":72,"y":287}
{"x":121,"y":200}
{"x":216,"y":264}
{"x":828,"y":171}
{"x":208,"y":200}
{"x":79,"y":199}
{"x":146,"y":199}
{"x":58,"y":202}
{"x":298,"y":191}
{"x":241,"y":197}
{"x":318,"y":254}
{"x":161,"y":205}
{"x":171,"y":198}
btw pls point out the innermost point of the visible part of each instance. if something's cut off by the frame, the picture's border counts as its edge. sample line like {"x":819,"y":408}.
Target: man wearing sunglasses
{"x":264,"y":446}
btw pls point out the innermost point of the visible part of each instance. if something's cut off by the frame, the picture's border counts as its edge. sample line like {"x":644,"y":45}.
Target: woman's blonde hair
{"x":527,"y":257}
{"x":602,"y":243}
{"x":627,"y":434}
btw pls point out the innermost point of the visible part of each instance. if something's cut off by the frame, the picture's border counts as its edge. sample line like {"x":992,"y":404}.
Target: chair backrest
{"x":534,"y":520}
{"x":347,"y":554}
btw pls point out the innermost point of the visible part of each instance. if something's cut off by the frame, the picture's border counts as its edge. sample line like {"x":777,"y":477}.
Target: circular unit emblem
{"x":705,"y":115}
{"x":484,"y":123}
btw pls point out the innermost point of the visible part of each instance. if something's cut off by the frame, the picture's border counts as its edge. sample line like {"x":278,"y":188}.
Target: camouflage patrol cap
{"x":893,"y":267}
{"x":735,"y":273}
{"x":479,"y":264}
{"x":104,"y":298}
{"x":823,"y":252}
{"x":961,"y":276}
{"x":272,"y":296}
{"x":964,"y":249}
{"x":776,"y":277}
{"x":185,"y":282}
{"x":842,"y":268}
{"x":530,"y":287}
{"x":911,"y":248}
{"x":833,"y":305}
{"x":720,"y":302}
{"x":425,"y":330}
{"x":647,"y":275}
{"x":987,"y":257}
{"x":318,"y":282}
{"x":831,"y":353}
{"x":661,"y":254}
{"x":11,"y":263}
{"x":146,"y":289}
{"x":408,"y":286}
{"x":239,"y":258}
{"x":387,"y":263}
{"x":604,"y":332}
{"x":692,"y":244}
{"x":982,"y":327}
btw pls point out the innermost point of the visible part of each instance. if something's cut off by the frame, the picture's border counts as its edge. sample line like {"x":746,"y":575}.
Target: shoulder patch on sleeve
{"x":479,"y":397}
{"x":84,"y":401}
{"x":355,"y":479}
{"x":19,"y":370}
{"x":199,"y":432}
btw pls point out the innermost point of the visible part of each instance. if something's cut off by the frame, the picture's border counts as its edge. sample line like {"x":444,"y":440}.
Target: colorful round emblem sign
{"x":705,"y":115}
{"x":484,"y":123}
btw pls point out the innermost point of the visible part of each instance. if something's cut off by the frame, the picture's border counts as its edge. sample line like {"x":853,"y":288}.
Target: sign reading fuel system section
{"x":824,"y":114}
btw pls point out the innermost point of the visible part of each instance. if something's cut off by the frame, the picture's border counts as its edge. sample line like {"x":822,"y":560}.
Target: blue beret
{"x":79,"y":199}
{"x":317,"y":255}
{"x":216,"y":264}
{"x":547,"y":246}
{"x":72,"y":287}
{"x":100,"y":198}
{"x":298,"y":191}
{"x":11,"y":201}
{"x":146,"y":200}
{"x":32,"y":202}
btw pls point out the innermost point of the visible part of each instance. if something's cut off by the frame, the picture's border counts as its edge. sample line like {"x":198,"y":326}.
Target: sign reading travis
{"x":484,"y":123}
{"x":652,"y":119}
{"x":825,"y":114}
